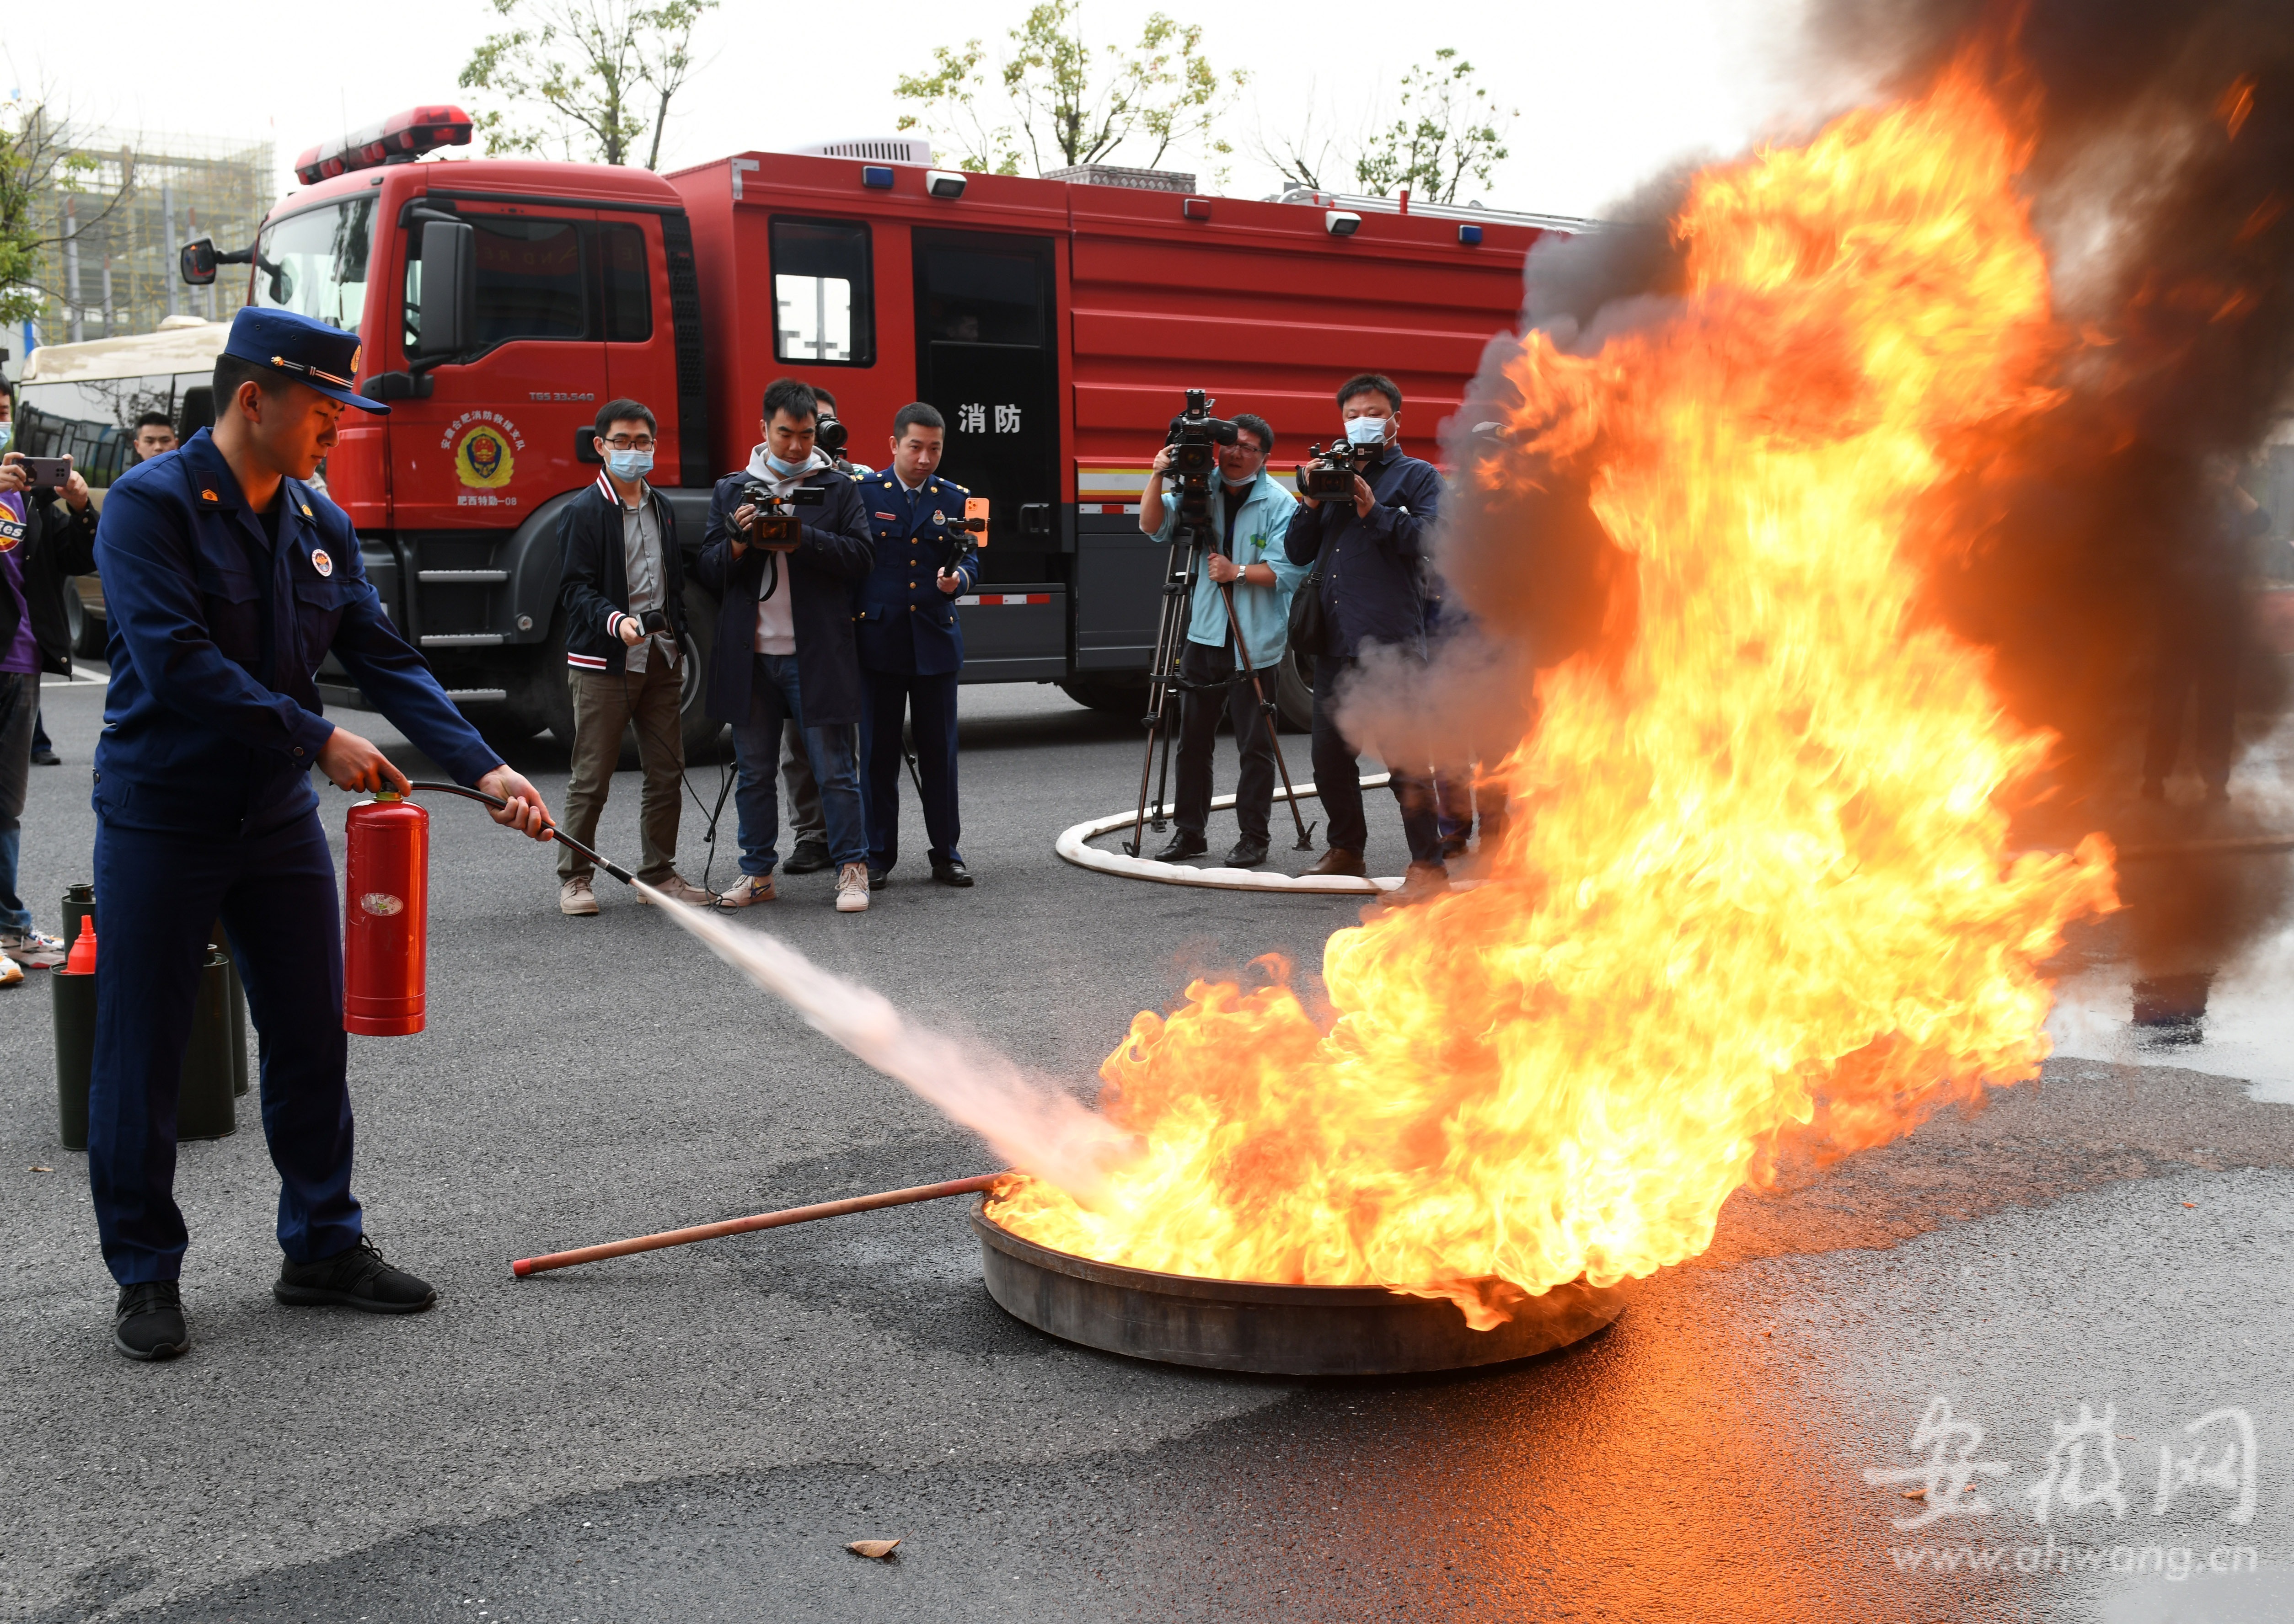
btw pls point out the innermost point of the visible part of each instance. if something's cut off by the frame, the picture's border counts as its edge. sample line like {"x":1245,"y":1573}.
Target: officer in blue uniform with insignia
{"x":911,"y":642}
{"x":227,"y":579}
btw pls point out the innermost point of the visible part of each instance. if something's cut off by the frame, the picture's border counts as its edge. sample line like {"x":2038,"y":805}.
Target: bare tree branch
{"x":578,"y":75}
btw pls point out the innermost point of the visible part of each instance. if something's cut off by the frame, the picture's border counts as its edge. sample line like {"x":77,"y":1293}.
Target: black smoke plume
{"x":2097,"y":549}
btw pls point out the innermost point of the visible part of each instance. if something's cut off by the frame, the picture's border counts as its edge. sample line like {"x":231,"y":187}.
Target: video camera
{"x":777,"y":524}
{"x":1330,"y":476}
{"x":829,"y":435}
{"x":1194,"y":438}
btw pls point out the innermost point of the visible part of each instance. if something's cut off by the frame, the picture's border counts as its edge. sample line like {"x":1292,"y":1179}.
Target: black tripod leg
{"x":1178,"y":588}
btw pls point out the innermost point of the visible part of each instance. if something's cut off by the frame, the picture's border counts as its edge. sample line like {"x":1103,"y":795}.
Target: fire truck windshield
{"x":314,"y":263}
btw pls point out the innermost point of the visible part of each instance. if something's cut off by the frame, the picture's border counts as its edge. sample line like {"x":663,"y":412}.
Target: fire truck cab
{"x":1055,"y":324}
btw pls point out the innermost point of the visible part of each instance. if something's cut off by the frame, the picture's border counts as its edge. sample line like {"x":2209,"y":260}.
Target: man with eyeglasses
{"x":623,"y":593}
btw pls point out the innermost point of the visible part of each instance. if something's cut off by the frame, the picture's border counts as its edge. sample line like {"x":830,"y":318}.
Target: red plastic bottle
{"x":386,"y":916}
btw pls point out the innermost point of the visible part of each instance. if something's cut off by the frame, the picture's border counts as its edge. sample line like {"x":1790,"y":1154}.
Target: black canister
{"x":206,"y":1106}
{"x":238,"y":1010}
{"x":78,"y":904}
{"x":74,"y":1007}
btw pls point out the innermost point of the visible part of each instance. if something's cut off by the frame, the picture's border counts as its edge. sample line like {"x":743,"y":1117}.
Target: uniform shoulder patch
{"x":208,"y":495}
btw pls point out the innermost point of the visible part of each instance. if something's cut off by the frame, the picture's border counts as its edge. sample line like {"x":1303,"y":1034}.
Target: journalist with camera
{"x":787,"y":542}
{"x":1366,"y":513}
{"x":1244,"y":514}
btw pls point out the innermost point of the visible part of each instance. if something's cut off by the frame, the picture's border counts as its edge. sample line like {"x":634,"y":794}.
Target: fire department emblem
{"x":482,"y":459}
{"x":381,"y":902}
{"x":322,"y":563}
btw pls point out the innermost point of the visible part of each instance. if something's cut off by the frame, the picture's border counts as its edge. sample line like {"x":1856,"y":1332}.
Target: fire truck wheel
{"x":1294,"y":695}
{"x":550,"y":697}
{"x":706,"y":739}
{"x":86,"y":629}
{"x":1117,"y":696}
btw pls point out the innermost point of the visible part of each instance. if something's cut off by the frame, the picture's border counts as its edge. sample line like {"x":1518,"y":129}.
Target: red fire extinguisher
{"x":386,"y":916}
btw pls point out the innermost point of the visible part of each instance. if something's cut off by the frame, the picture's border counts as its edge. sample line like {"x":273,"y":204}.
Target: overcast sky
{"x":1606,"y":93}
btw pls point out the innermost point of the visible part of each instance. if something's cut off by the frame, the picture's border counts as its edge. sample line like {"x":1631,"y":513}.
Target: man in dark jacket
{"x":912,"y":643}
{"x":43,"y":542}
{"x":1372,"y":554}
{"x":623,"y":590}
{"x":784,"y":647}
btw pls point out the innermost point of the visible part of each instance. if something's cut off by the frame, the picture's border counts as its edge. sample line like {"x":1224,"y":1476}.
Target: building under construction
{"x":118,"y":227}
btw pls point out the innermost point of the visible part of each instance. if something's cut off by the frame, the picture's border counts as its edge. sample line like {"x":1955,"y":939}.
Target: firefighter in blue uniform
{"x":912,"y":644}
{"x":227,"y":579}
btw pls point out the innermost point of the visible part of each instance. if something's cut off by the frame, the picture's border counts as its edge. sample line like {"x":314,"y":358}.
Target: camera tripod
{"x":1165,"y":685}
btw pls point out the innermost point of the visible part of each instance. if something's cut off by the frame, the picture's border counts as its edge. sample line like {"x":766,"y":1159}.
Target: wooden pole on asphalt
{"x":526,"y":1266}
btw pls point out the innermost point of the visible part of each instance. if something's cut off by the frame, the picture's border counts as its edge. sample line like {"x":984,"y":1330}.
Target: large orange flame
{"x":1763,"y":884}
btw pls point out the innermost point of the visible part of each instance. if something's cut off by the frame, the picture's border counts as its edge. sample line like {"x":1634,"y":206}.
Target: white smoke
{"x":1035,"y":1125}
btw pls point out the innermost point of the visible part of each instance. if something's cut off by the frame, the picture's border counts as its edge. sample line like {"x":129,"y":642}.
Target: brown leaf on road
{"x":1916,"y":1494}
{"x":879,"y":1549}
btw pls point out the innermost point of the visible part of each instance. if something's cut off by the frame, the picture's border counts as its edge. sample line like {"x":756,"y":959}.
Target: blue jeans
{"x":773,"y":698}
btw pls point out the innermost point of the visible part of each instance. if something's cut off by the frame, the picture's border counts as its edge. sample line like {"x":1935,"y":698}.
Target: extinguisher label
{"x":382,"y":902}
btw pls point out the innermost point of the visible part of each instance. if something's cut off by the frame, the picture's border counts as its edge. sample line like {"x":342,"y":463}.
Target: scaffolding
{"x":112,"y":271}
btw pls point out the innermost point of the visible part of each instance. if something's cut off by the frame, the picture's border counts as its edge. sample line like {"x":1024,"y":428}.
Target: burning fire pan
{"x":1276,"y":1330}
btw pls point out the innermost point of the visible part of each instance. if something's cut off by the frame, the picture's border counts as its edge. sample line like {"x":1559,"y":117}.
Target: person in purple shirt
{"x":42,"y":541}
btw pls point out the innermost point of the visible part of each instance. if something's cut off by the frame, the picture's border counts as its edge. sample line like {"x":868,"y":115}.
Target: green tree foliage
{"x":1448,"y":133}
{"x":583,"y":79}
{"x":1055,"y":102}
{"x":39,"y":160}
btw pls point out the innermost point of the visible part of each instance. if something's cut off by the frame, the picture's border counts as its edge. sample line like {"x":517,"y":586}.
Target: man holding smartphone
{"x":47,"y":535}
{"x":623,"y":599}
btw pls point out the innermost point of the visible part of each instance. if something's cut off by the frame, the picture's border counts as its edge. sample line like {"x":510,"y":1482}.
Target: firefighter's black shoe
{"x":149,"y":1321}
{"x":357,"y":1278}
{"x":952,"y":873}
{"x":809,"y":857}
{"x":1247,"y":853}
{"x":1182,"y":846}
{"x":879,"y":878}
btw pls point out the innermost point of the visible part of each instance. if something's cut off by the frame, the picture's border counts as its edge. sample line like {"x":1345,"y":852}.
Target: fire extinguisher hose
{"x":556,"y":833}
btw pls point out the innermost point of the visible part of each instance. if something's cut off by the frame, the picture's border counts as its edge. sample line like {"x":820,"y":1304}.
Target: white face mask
{"x":1366,"y":431}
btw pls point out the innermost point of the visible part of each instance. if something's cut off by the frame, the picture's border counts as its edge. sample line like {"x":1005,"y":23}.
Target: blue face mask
{"x":629,"y":465}
{"x":1366,"y":431}
{"x":785,"y":468}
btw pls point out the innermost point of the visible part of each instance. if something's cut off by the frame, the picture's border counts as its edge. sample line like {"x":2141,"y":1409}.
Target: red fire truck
{"x":1056,"y":323}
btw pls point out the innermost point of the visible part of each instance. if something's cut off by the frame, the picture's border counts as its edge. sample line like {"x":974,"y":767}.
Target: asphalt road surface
{"x":2095,"y":1269}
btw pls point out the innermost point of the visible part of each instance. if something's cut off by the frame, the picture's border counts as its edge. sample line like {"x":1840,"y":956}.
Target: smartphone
{"x":48,"y":472}
{"x":975,"y":518}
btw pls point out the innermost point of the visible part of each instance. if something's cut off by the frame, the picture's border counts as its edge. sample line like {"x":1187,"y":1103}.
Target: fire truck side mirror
{"x":450,"y":290}
{"x":199,"y":262}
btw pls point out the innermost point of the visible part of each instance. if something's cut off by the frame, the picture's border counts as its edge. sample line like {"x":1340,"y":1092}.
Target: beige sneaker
{"x":853,"y":888}
{"x":746,"y":890}
{"x":676,"y":889}
{"x":575,"y":898}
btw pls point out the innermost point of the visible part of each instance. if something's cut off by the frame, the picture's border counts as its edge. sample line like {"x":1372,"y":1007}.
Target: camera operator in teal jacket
{"x":1250,"y":514}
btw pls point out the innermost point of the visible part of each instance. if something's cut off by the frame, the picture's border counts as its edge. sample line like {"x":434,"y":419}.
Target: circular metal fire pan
{"x":1275,"y":1330}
